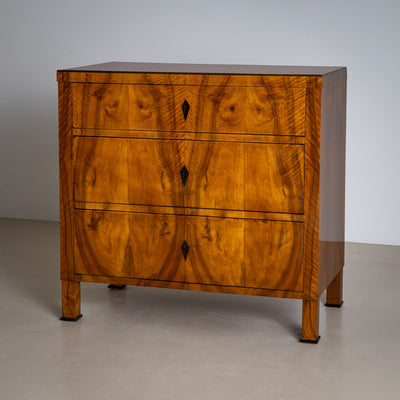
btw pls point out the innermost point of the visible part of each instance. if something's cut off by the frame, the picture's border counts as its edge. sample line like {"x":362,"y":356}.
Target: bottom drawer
{"x":218,"y":251}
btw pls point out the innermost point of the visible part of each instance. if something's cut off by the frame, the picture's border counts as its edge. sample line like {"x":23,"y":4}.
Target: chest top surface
{"x":209,"y":69}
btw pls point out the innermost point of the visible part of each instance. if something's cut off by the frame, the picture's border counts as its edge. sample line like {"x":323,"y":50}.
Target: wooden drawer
{"x":219,"y":251}
{"x":129,"y":245}
{"x":256,"y":110}
{"x":187,"y":173}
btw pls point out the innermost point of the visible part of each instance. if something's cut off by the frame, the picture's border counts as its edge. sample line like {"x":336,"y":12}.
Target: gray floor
{"x":148,"y":343}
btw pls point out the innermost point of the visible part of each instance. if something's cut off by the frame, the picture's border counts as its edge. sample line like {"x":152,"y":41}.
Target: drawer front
{"x":255,"y":110}
{"x":248,"y":253}
{"x":129,"y":245}
{"x":218,"y":175}
{"x":218,"y":251}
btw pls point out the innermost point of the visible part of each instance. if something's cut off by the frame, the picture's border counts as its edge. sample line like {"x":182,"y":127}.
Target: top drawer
{"x":219,"y":109}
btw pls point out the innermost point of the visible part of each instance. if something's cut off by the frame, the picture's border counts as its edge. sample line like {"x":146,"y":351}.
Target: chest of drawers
{"x":203,"y":177}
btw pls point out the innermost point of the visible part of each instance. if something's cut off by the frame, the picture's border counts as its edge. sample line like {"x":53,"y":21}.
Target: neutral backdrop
{"x":38,"y":37}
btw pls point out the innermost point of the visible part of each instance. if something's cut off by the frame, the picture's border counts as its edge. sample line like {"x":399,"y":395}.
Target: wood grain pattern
{"x":274,"y":255}
{"x":71,"y":299}
{"x":263,"y":177}
{"x":199,"y":136}
{"x":193,"y":286}
{"x":216,"y":246}
{"x":310,"y":321}
{"x":259,"y":254}
{"x":262,"y":208}
{"x":131,"y":245}
{"x":256,"y":110}
{"x":311,"y":201}
{"x":290,"y":81}
{"x":128,"y":171}
{"x":65,"y":180}
{"x":202,"y":212}
{"x":222,"y":251}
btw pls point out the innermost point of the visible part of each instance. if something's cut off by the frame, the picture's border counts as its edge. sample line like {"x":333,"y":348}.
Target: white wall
{"x":37,"y":37}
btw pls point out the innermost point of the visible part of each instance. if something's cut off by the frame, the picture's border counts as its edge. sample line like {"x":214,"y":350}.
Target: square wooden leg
{"x":334,"y":292}
{"x":71,"y":301}
{"x":310,"y":326}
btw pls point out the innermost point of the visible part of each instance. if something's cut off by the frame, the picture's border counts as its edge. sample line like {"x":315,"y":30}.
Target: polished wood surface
{"x":256,"y":110}
{"x":65,"y":180}
{"x":129,"y":245}
{"x":310,"y":321}
{"x":248,"y":253}
{"x":255,"y":177}
{"x":222,"y":251}
{"x":179,"y":135}
{"x":332,"y":172}
{"x":311,"y":201}
{"x":259,"y":206}
{"x":200,"y":74}
{"x":71,"y":300}
{"x":289,"y":81}
{"x":221,"y":69}
{"x":203,"y":212}
{"x":192,"y":286}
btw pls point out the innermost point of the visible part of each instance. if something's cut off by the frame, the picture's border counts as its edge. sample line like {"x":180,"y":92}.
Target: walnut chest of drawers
{"x":220,"y":178}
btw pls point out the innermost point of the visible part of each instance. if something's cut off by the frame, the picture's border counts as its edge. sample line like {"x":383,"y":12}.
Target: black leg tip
{"x":119,"y":287}
{"x":310,"y":341}
{"x":71,"y":319}
{"x":334,"y":305}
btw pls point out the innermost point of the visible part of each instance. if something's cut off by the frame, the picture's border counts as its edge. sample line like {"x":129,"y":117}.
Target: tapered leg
{"x":71,"y":301}
{"x":310,"y":328}
{"x":334,"y":292}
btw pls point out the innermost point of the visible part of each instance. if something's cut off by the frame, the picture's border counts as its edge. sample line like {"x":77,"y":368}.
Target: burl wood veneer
{"x":220,"y":178}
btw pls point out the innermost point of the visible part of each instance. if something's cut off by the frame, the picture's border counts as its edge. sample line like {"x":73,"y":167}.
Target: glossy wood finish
{"x":71,"y":300}
{"x":311,"y":201}
{"x":332,"y":172}
{"x":247,"y":253}
{"x":129,"y":245}
{"x":255,"y":177}
{"x":294,"y":81}
{"x":222,"y":251}
{"x":256,"y":110}
{"x":203,"y":136}
{"x":204,"y":212}
{"x":199,"y":74}
{"x":193,"y":286}
{"x":262,"y":209}
{"x":65,"y":180}
{"x":204,"y":69}
{"x":310,"y":321}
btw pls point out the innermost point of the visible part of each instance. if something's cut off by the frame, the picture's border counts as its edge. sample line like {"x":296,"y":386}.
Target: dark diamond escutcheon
{"x":185,"y":109}
{"x":184,"y":175}
{"x":185,"y":249}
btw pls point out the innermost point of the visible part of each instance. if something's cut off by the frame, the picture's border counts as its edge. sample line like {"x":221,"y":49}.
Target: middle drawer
{"x":189,"y":173}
